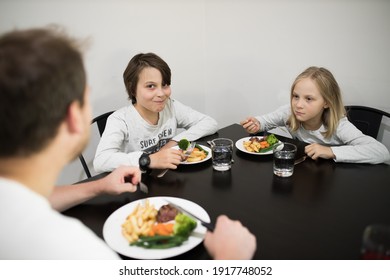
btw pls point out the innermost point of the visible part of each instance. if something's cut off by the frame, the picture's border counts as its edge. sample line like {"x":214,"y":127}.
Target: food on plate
{"x":261,"y":144}
{"x":161,"y":229}
{"x":166,"y":213}
{"x":139,"y":222}
{"x":197,"y":154}
{"x":184,"y":225}
{"x":142,"y":228}
{"x":184,"y":144}
{"x":182,"y":229}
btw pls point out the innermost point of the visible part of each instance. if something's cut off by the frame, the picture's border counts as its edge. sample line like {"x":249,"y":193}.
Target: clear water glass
{"x":222,"y":153}
{"x":284,"y":157}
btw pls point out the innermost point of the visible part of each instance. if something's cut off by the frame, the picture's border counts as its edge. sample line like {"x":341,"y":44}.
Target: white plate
{"x":207,"y":149}
{"x":112,"y":230}
{"x":240,"y":146}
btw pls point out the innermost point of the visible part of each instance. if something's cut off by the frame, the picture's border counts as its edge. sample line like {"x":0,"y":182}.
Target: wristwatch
{"x":144,"y":162}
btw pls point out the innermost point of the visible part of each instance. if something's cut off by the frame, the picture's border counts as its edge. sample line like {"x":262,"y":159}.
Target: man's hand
{"x":230,"y":240}
{"x":123,"y":179}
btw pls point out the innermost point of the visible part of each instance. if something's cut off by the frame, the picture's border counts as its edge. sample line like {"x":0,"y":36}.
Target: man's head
{"x":41,"y":76}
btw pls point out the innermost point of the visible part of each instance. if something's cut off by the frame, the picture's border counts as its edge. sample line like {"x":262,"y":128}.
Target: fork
{"x":302,"y":159}
{"x":189,"y":150}
{"x":186,"y":154}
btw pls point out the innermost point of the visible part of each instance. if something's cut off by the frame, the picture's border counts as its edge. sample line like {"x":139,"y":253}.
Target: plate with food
{"x":258,"y":145}
{"x":153,"y":229}
{"x":199,"y":154}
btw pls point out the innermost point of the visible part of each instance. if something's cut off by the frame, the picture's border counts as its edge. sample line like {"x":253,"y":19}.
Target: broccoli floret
{"x":271,"y":139}
{"x":184,"y":225}
{"x":184,"y":144}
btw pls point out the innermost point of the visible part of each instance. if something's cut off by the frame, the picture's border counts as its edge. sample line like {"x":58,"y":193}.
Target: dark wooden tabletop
{"x":318,"y":213}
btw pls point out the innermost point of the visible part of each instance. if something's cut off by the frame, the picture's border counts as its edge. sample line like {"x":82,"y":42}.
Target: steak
{"x":167,"y":213}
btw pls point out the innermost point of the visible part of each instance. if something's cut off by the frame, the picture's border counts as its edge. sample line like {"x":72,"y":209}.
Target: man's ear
{"x":74,"y":118}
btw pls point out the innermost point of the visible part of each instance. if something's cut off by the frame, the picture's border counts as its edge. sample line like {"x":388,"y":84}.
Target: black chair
{"x":366,"y":119}
{"x":101,"y":124}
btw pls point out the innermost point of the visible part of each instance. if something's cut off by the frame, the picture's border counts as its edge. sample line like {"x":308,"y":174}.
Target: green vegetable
{"x":271,"y":139}
{"x":159,"y":241}
{"x":269,"y":148}
{"x":201,"y":149}
{"x":184,"y":144}
{"x":182,"y":229}
{"x":184,"y":225}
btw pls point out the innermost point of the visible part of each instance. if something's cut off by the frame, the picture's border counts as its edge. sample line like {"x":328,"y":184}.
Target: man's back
{"x":31,"y":229}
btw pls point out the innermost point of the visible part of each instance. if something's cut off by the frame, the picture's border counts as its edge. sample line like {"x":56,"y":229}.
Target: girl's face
{"x":308,"y":104}
{"x":151,"y":94}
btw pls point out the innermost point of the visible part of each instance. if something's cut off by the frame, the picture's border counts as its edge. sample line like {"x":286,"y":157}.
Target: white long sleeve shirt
{"x":348,"y":143}
{"x":32,"y":230}
{"x":127,"y":135}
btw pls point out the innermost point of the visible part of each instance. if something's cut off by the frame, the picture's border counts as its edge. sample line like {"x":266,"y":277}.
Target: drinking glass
{"x":284,"y":156}
{"x":222,"y":153}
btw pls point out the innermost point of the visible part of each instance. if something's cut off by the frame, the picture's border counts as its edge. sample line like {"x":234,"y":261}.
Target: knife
{"x":209,"y":226}
{"x":141,"y":186}
{"x":144,"y":188}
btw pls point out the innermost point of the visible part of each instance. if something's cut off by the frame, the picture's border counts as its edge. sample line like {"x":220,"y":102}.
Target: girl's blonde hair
{"x":330,"y":91}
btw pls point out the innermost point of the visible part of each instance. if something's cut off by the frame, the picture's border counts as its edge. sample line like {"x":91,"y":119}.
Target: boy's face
{"x":151,"y":94}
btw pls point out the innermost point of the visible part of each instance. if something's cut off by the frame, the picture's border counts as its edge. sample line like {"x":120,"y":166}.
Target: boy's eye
{"x":150,"y":86}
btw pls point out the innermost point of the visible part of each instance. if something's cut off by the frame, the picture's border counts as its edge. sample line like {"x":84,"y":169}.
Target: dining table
{"x":319,"y":213}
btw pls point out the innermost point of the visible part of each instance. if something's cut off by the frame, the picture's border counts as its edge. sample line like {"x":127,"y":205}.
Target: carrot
{"x":264,"y":144}
{"x":161,"y":229}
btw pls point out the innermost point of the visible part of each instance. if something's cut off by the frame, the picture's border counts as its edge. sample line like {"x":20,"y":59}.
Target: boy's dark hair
{"x":137,"y":64}
{"x":41,"y":74}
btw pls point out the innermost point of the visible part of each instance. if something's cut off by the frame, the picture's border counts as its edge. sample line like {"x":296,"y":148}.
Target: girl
{"x":143,"y":132}
{"x":316,"y":115}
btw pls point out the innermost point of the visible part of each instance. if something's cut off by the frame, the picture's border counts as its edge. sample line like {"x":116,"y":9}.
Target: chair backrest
{"x":366,"y":119}
{"x":101,"y":124}
{"x":101,"y":121}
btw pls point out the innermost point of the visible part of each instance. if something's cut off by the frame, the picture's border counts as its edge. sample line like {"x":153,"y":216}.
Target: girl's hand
{"x":165,"y":158}
{"x":316,"y":151}
{"x":251,"y":125}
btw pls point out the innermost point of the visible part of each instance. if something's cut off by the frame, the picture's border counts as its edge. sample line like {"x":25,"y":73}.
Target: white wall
{"x":229,"y":59}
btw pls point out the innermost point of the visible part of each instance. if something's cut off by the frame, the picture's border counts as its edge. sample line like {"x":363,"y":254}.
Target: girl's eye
{"x":309,"y":99}
{"x":151,"y":86}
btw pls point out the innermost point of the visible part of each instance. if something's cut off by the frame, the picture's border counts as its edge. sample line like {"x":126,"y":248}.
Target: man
{"x":45,"y":119}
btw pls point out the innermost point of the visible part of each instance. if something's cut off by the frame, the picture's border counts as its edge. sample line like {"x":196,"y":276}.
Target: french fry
{"x":139,"y":222}
{"x":194,"y":159}
{"x":255,"y":144}
{"x":196,"y":155}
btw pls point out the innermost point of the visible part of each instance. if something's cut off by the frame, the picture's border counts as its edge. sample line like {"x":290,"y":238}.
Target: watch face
{"x":144,"y":161}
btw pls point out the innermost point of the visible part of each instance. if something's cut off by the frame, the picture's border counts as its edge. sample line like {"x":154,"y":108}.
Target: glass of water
{"x":284,"y":157}
{"x":222,"y":153}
